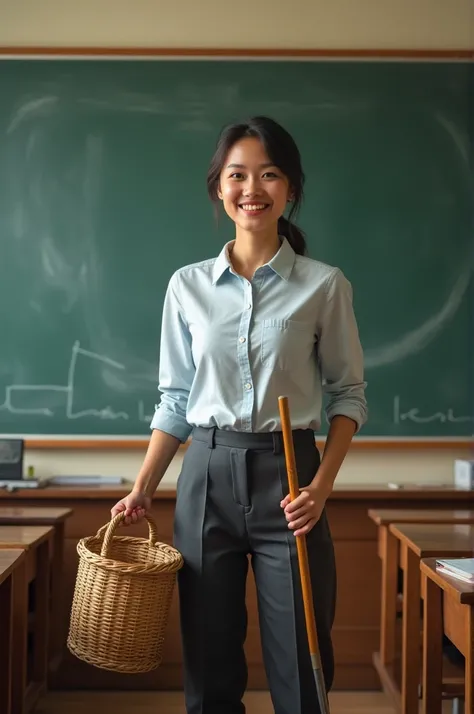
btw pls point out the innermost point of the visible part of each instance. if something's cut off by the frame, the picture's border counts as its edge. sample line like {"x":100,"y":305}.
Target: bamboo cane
{"x":303,"y":560}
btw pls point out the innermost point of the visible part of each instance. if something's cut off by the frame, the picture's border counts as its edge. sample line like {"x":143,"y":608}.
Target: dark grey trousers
{"x":227,"y":509}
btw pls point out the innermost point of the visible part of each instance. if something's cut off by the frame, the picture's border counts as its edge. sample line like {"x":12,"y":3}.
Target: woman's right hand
{"x":135,"y":505}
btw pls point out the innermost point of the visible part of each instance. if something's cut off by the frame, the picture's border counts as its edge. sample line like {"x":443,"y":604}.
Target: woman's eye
{"x":270,"y":174}
{"x":237,"y":176}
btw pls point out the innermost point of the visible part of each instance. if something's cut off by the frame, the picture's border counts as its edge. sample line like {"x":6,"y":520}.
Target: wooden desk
{"x":388,"y":550}
{"x":55,"y":517}
{"x":417,"y":541}
{"x":37,"y":542}
{"x":356,"y":631}
{"x":13,"y":621}
{"x":448,"y":609}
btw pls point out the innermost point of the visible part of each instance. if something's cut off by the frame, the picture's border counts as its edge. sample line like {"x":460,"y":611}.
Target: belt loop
{"x":211,"y":438}
{"x":277,"y":443}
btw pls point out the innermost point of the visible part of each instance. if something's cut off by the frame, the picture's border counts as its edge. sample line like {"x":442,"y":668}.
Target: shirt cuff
{"x":352,"y":411}
{"x":170,"y":424}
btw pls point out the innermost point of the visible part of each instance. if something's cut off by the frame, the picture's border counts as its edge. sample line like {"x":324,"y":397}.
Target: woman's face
{"x":253,"y":191}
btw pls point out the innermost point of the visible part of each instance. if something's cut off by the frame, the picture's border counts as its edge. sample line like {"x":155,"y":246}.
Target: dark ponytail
{"x":282,"y":152}
{"x":293,"y":234}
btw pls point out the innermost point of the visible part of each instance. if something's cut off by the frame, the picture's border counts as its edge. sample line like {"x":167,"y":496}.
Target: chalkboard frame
{"x":48,"y":52}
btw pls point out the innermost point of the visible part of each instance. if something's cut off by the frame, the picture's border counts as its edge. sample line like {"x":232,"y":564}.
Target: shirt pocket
{"x":286,"y":344}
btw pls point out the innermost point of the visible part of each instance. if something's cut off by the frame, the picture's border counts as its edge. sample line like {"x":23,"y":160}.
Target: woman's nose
{"x":252,"y":188}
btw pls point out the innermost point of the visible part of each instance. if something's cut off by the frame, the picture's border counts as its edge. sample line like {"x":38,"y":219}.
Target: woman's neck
{"x":249,"y":252}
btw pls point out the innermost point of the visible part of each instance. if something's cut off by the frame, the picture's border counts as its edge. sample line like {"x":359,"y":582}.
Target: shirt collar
{"x":282,"y":262}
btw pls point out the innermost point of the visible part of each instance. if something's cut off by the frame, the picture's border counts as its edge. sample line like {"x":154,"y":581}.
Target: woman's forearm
{"x":341,"y":432}
{"x":161,"y":450}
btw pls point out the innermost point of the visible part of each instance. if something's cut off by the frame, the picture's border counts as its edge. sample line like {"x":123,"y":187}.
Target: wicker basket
{"x":124,"y":586}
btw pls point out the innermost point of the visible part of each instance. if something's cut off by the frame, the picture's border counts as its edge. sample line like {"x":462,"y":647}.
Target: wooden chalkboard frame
{"x":136,"y":444}
{"x":81,"y":51}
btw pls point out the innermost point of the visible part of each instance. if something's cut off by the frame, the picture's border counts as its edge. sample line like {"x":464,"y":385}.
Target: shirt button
{"x":241,"y":340}
{"x":248,"y":385}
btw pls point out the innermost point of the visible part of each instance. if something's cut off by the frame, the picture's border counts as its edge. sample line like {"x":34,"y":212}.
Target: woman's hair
{"x":282,"y":152}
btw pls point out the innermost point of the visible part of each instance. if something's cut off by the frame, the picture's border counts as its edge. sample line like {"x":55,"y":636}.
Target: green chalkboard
{"x":103,"y":196}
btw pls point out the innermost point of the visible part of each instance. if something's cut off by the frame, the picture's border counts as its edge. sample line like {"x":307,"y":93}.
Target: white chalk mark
{"x":40,"y":106}
{"x":68,"y":389}
{"x":141,"y":413}
{"x":461,"y":142}
{"x":417,"y":339}
{"x":77,"y":350}
{"x":9,"y":407}
{"x":106,"y":413}
{"x":413,"y":415}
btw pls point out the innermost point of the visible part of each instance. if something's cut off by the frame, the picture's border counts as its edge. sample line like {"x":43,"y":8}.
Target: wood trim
{"x":369,"y":495}
{"x":453,"y":54}
{"x":404,"y":444}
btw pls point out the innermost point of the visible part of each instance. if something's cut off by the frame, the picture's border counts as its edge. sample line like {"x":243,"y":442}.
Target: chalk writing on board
{"x":107,"y":412}
{"x":417,"y":339}
{"x":142,"y":416}
{"x":414,"y":415}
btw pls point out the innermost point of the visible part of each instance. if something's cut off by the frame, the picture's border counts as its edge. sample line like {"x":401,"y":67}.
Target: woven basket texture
{"x":122,"y":598}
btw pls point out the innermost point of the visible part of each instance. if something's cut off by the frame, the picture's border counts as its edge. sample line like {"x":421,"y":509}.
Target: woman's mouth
{"x":253,"y":209}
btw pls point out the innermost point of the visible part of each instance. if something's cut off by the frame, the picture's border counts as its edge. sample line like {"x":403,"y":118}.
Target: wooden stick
{"x":303,"y":559}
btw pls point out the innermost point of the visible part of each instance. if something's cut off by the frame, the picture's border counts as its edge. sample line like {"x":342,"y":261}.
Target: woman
{"x":258,"y":321}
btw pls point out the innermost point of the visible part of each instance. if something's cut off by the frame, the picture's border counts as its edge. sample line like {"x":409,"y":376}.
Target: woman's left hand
{"x":305,"y":511}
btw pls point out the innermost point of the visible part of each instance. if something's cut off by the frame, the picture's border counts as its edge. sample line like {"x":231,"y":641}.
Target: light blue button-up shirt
{"x":230,"y":347}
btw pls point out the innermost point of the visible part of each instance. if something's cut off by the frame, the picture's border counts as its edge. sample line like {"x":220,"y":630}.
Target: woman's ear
{"x":219,"y":193}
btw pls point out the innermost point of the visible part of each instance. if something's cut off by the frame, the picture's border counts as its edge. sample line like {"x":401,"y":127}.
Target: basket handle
{"x":107,"y":532}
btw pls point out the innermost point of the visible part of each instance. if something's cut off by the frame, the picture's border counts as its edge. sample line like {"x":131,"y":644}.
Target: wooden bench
{"x":55,"y":517}
{"x":388,"y":551}
{"x":30,"y":677}
{"x":448,"y":608}
{"x":417,"y":541}
{"x":13,"y":622}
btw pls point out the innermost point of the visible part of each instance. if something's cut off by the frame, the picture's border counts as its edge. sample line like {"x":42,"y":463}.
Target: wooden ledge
{"x":140,"y":444}
{"x":85,"y":51}
{"x":349,"y":493}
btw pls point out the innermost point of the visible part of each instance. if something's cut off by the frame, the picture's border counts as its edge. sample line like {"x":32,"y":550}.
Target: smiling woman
{"x":258,"y":321}
{"x":257,"y":167}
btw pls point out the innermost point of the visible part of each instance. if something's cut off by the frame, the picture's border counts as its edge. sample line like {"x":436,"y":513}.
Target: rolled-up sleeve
{"x":340,"y":353}
{"x":176,"y":372}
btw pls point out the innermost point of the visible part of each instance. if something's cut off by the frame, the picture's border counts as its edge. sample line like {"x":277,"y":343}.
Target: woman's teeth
{"x":253,"y":206}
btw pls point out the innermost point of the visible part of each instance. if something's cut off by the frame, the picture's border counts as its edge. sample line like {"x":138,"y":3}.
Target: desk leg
{"x":411,"y":632}
{"x":20,"y":629}
{"x":389,"y":552}
{"x":469,"y":664}
{"x":57,"y":630}
{"x":6,"y":632}
{"x":41,"y":632}
{"x":432,"y":647}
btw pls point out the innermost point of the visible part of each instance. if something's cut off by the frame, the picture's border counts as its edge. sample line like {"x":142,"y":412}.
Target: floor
{"x":172,"y":703}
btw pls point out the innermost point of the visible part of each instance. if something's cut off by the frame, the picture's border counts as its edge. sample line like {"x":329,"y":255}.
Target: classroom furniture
{"x":373,"y":135}
{"x":357,"y":626}
{"x":30,"y":680}
{"x":448,"y":608}
{"x":13,"y":624}
{"x":55,"y":517}
{"x":388,"y":550}
{"x":416,"y":541}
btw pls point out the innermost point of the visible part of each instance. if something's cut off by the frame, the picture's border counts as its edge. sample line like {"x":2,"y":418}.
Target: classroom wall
{"x":355,"y":24}
{"x":431,"y":24}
